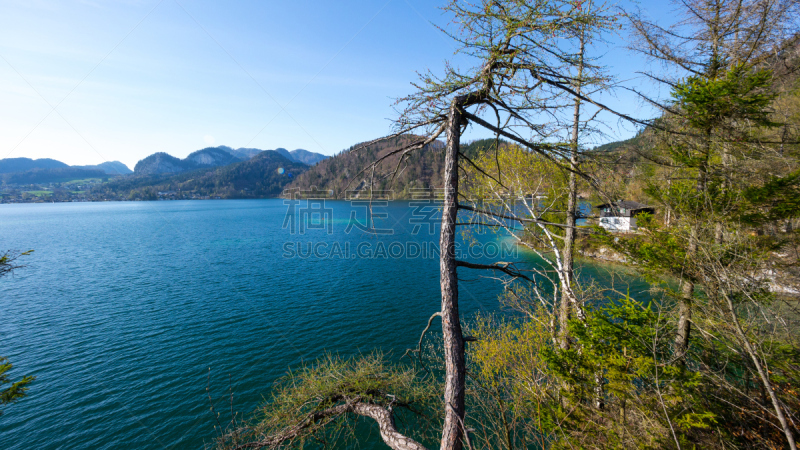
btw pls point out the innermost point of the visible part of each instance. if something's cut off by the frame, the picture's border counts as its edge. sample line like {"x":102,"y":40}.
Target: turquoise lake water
{"x":123,"y":307}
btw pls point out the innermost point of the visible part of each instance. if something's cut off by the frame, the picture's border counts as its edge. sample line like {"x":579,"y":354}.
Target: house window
{"x":616,"y":221}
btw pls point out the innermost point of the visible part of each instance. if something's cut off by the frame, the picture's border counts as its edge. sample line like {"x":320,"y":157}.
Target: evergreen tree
{"x":17,"y":389}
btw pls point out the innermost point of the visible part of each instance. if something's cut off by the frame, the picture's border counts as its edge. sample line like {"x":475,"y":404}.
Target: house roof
{"x":627,"y":204}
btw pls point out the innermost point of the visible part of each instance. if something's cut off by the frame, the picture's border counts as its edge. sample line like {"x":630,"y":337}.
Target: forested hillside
{"x":301,"y":156}
{"x":261,"y":176}
{"x":59,"y":175}
{"x":53,"y":171}
{"x":109,"y":167}
{"x":349,"y":171}
{"x":10,"y":165}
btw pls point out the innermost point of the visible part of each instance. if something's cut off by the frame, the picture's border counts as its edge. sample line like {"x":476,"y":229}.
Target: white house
{"x":621,"y":215}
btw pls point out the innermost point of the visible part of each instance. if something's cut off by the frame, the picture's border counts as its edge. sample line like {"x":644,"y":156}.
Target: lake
{"x":123,"y":307}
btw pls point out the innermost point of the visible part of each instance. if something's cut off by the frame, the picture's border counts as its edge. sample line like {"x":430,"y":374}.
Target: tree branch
{"x":507,"y":268}
{"x":383,"y":416}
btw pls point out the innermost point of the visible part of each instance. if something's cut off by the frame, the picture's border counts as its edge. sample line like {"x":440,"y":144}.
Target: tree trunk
{"x":685,"y":306}
{"x":567,"y":296}
{"x":383,"y":416}
{"x":687,"y":290}
{"x":452,"y":432}
{"x":684,"y":320}
{"x":389,"y":433}
{"x":668,"y":215}
{"x":776,"y":404}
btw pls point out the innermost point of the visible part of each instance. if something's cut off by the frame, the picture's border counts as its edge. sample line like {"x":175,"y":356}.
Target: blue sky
{"x":94,"y":80}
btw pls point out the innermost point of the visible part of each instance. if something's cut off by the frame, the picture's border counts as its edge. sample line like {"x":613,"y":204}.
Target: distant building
{"x":621,"y":216}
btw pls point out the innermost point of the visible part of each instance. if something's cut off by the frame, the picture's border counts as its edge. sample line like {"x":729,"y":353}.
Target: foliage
{"x":709,"y":103}
{"x":309,"y":404}
{"x":522,"y":183}
{"x":7,"y":261}
{"x":526,"y":390}
{"x":17,"y":389}
{"x":778,"y":199}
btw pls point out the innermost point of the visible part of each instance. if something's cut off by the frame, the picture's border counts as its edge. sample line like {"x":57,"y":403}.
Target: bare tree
{"x":531,"y":68}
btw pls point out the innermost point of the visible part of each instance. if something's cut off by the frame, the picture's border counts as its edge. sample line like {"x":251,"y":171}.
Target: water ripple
{"x":124,"y":307}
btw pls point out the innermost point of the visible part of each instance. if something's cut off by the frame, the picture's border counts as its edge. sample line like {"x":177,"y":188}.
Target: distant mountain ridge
{"x":302,"y":156}
{"x":14,"y":165}
{"x":243,"y":153}
{"x":19,"y":165}
{"x":163,"y":163}
{"x":219,"y":171}
{"x":45,"y":170}
{"x":298,"y":155}
{"x":57,"y":175}
{"x":157,"y":163}
{"x":263,"y":175}
{"x":618,"y":145}
{"x":109,"y":167}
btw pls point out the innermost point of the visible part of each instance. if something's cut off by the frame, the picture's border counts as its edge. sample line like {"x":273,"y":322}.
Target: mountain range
{"x":208,"y":157}
{"x":299,"y":155}
{"x":109,"y":167}
{"x":302,"y":156}
{"x":263,"y":175}
{"x":12,"y":165}
{"x":160,"y":163}
{"x":32,"y":171}
{"x":22,"y":171}
{"x":225,"y":172}
{"x":18,"y":165}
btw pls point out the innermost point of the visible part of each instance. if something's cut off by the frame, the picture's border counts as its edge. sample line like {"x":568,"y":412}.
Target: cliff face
{"x":212,"y":157}
{"x":302,"y":156}
{"x":243,"y":153}
{"x":299,"y":155}
{"x":159,"y":163}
